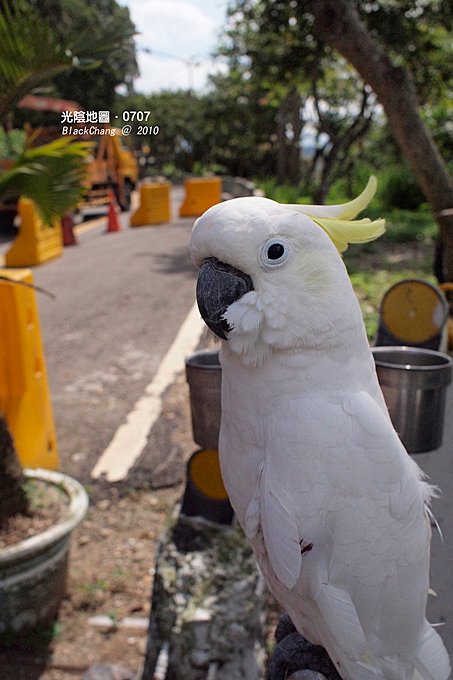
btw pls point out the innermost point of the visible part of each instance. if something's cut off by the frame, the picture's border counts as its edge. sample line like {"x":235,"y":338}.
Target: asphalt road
{"x":121,"y":299}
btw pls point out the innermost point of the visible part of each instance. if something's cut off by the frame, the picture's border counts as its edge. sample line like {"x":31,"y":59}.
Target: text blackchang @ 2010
{"x":94,"y":130}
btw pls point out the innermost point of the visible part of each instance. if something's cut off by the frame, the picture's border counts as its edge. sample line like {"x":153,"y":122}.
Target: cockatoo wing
{"x":343,"y":524}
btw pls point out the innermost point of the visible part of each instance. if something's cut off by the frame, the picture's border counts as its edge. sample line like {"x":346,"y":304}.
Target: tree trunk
{"x":294,"y":161}
{"x":13,"y":499}
{"x":280,"y":146}
{"x":338,"y":24}
{"x":336,"y":159}
{"x":288,"y":150}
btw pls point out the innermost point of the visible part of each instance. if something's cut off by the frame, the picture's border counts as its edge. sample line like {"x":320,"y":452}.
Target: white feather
{"x":281,"y":538}
{"x":432,"y":662}
{"x":331,"y":502}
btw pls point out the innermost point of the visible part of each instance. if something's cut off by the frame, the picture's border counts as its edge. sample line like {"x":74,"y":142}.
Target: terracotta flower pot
{"x":33,"y":572}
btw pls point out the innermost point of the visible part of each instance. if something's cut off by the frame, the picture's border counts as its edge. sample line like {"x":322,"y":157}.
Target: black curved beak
{"x":218,"y":286}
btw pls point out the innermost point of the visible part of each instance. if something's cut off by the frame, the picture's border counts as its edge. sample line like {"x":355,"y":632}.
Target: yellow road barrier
{"x":413,"y":312}
{"x":154,"y":205}
{"x":201,"y":194}
{"x":37,"y":242}
{"x":24,"y":390}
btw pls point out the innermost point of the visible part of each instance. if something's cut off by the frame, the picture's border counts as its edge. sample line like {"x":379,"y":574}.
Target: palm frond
{"x":51,"y":175}
{"x":31,"y":52}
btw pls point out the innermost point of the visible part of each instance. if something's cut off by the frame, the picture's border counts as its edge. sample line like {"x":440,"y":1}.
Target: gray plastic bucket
{"x":414,"y":382}
{"x":204,"y":375}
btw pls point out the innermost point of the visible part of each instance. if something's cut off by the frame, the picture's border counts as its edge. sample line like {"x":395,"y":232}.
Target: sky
{"x":180,"y":34}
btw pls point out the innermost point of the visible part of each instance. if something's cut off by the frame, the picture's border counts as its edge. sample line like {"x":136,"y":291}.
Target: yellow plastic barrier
{"x":412,"y":312}
{"x":201,"y":194}
{"x":154,"y":205}
{"x":205,"y":494}
{"x":448,"y":288}
{"x":24,"y":391}
{"x":36,"y":242}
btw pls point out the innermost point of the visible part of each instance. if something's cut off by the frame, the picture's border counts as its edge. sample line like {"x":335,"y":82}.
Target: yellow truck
{"x":113,"y":166}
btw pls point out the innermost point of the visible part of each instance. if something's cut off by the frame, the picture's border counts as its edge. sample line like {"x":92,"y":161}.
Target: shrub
{"x":407,"y":225}
{"x":283,"y":193}
{"x":398,"y":189}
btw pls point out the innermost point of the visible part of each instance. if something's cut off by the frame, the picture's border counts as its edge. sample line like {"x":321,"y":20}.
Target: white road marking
{"x":130,"y":438}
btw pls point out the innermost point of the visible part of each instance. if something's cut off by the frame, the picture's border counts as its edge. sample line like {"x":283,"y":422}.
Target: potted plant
{"x":33,"y":567}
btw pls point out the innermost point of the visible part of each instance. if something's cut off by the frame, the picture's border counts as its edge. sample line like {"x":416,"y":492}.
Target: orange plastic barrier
{"x":24,"y":390}
{"x":201,"y":194}
{"x":154,"y":205}
{"x":36,"y":242}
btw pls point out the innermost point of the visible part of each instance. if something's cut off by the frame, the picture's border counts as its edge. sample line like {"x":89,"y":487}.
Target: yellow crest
{"x":338,"y":220}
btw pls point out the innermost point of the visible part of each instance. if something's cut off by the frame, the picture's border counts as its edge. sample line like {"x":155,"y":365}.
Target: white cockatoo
{"x":333,"y":505}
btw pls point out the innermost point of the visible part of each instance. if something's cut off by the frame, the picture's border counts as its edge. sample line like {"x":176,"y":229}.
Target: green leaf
{"x":31,"y":52}
{"x":51,"y":175}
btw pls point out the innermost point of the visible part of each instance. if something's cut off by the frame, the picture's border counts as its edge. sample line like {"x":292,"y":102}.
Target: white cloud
{"x":187,"y":31}
{"x":170,"y":74}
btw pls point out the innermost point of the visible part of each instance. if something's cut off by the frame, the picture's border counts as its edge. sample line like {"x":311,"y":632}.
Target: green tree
{"x":178,"y":115}
{"x":272,"y":44}
{"x":400,"y":50}
{"x":239,"y":125}
{"x":381,"y":64}
{"x":94,"y":89}
{"x":228,"y":129}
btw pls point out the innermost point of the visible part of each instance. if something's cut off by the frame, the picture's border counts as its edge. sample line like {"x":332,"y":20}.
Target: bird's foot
{"x":294,"y":653}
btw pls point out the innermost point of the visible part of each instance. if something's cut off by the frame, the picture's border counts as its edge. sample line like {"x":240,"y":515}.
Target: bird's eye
{"x":274,"y":252}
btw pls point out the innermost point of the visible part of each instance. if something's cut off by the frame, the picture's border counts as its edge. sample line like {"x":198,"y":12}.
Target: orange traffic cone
{"x":67,"y":225}
{"x":113,"y":223}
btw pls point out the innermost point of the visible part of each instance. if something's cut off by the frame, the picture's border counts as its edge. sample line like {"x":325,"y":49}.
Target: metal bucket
{"x":204,"y":375}
{"x":414,"y":383}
